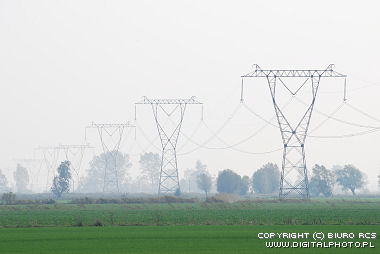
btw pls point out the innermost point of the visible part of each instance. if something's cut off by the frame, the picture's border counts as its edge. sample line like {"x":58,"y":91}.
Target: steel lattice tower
{"x":71,"y":152}
{"x":51,"y":157}
{"x":111,"y":177}
{"x":169,"y":181}
{"x":293,"y":135}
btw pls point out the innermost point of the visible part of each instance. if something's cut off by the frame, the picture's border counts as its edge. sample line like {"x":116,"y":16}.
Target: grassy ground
{"x":165,"y":239}
{"x":328,"y":212}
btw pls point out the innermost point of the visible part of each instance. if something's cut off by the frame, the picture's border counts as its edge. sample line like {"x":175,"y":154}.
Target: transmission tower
{"x":294,"y":179}
{"x":169,"y":181}
{"x":74,"y":154}
{"x":111,"y":175}
{"x":50,"y":157}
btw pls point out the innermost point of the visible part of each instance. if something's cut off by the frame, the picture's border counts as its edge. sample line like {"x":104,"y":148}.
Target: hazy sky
{"x":64,"y":64}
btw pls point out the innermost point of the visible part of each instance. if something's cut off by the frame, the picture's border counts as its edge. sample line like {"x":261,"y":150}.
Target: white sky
{"x":64,"y":64}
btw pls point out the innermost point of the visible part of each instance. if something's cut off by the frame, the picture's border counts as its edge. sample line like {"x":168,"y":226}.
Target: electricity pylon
{"x":169,"y":181}
{"x":294,"y":177}
{"x":50,"y":157}
{"x":111,"y":174}
{"x":73,"y":153}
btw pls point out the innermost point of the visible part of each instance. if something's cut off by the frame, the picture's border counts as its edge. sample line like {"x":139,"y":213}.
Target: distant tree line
{"x":265,"y":180}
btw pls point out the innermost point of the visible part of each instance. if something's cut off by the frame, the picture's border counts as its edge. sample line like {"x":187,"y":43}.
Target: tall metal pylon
{"x":294,"y":178}
{"x":74,"y":154}
{"x":111,"y":175}
{"x":51,"y":155}
{"x":169,"y":181}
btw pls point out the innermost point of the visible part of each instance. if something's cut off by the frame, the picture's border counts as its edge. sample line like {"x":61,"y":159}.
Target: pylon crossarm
{"x":109,"y":125}
{"x":328,"y":72}
{"x":146,"y":100}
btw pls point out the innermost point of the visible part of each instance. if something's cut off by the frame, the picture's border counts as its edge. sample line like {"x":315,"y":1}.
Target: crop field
{"x":181,"y":227}
{"x":258,"y":212}
{"x":164,"y":239}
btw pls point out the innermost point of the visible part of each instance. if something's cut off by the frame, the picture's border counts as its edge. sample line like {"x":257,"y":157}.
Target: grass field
{"x":333,"y":212}
{"x":181,"y":227}
{"x":164,"y":239}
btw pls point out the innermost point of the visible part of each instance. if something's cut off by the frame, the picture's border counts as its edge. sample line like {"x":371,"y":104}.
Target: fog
{"x":64,"y":64}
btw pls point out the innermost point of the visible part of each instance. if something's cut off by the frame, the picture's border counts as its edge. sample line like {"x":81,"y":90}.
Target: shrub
{"x":98,"y":223}
{"x":223,"y":198}
{"x":177,"y":192}
{"x":125,"y":200}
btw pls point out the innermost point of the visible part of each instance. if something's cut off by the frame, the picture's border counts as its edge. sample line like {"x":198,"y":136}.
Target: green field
{"x":333,"y":212}
{"x":181,"y":227}
{"x":163,"y":239}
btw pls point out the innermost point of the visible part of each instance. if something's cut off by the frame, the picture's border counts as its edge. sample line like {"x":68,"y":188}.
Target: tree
{"x":322,"y":181}
{"x":150,"y":164}
{"x":191,"y":176}
{"x":61,"y":183}
{"x":266,"y":180}
{"x":228,"y":181}
{"x":8,"y":198}
{"x":245,"y":182}
{"x":199,"y":166}
{"x":204,"y":182}
{"x":94,"y":180}
{"x":350,"y":178}
{"x":3,"y":183}
{"x":177,"y":192}
{"x":21,"y":177}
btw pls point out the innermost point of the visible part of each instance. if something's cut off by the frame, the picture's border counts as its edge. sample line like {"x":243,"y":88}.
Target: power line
{"x":337,"y":119}
{"x":328,"y":118}
{"x":362,"y":112}
{"x":232,"y":147}
{"x":214,"y":134}
{"x":349,"y":135}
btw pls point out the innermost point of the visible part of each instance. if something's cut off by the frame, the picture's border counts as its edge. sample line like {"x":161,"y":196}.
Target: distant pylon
{"x":74,"y":154}
{"x":51,"y":155}
{"x":111,"y":179}
{"x":169,"y":181}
